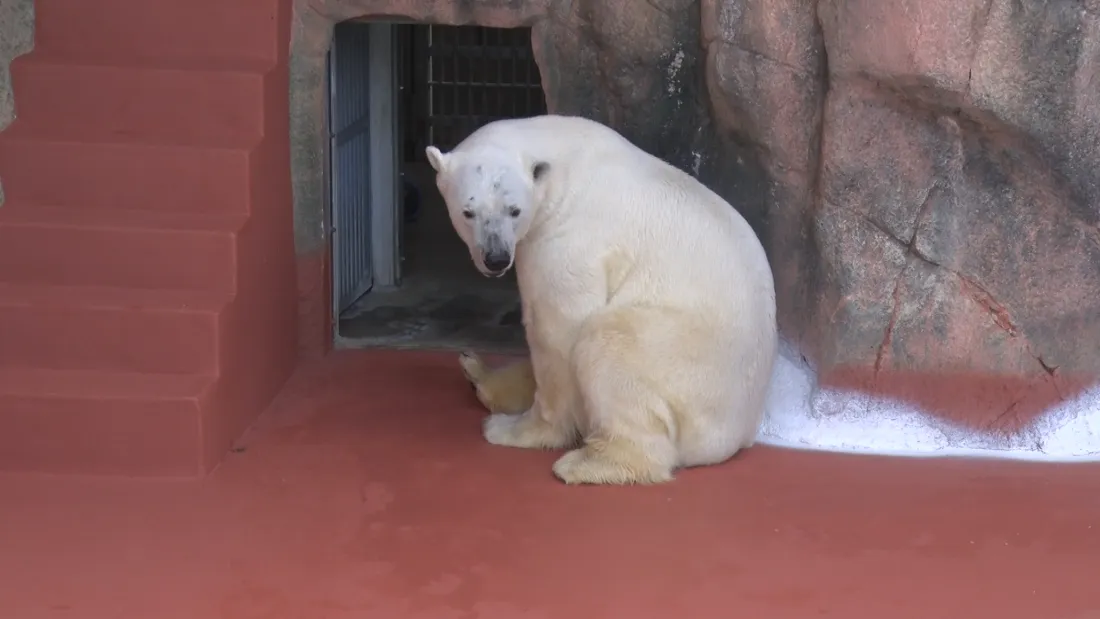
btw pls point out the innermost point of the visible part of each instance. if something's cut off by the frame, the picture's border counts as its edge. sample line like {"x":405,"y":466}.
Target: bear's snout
{"x":497,"y":261}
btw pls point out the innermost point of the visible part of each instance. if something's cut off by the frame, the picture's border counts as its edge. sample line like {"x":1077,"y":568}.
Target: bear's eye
{"x":514,"y":211}
{"x":468,"y":214}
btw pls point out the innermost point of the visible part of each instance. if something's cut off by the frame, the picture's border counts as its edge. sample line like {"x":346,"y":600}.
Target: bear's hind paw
{"x":610,"y":466}
{"x":472,"y":366}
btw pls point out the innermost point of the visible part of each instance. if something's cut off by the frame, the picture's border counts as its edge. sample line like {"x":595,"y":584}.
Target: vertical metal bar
{"x":431,"y":85}
{"x":381,"y":154}
{"x":528,"y":78}
{"x":471,"y":34}
{"x":526,"y":82}
{"x":446,"y":90}
{"x":453,"y":88}
{"x":515,"y":73}
{"x":497,"y":73}
{"x":484,"y":78}
{"x":463,"y":107}
{"x":502,"y":59}
{"x":455,"y":92}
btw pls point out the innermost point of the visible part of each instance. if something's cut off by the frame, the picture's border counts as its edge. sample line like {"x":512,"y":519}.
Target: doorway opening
{"x":401,"y":276}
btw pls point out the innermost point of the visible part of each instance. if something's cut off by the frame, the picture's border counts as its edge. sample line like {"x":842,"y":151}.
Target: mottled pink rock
{"x":958,"y":205}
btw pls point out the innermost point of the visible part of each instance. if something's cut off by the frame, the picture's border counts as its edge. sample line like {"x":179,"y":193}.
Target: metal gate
{"x":349,"y":151}
{"x":477,"y":75}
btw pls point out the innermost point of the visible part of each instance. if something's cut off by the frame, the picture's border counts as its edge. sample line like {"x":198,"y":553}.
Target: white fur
{"x":648,"y":301}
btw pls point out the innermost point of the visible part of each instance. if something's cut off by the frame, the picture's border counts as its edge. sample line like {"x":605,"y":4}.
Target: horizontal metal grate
{"x":477,"y":75}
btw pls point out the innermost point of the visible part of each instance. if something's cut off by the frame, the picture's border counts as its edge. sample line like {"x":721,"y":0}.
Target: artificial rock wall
{"x":921,"y":171}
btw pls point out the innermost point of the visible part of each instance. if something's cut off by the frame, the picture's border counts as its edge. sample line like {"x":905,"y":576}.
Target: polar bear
{"x":648,"y":301}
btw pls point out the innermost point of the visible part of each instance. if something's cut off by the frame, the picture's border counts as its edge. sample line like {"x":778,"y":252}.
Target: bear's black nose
{"x":497,"y":261}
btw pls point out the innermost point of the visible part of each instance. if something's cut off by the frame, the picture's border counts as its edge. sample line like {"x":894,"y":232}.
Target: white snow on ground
{"x":801,"y":416}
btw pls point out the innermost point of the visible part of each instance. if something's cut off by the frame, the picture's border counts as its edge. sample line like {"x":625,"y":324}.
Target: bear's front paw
{"x":500,"y":429}
{"x":609,"y":466}
{"x":528,"y":431}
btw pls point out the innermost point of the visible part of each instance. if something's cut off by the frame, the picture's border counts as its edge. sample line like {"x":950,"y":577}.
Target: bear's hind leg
{"x":631,"y":431}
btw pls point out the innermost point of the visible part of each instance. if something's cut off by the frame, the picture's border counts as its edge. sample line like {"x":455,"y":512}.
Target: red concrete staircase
{"x":147,"y":288}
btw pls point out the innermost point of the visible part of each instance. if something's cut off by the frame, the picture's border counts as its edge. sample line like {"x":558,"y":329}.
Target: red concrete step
{"x":116,"y":329}
{"x":65,"y":421}
{"x":57,"y":100}
{"x":122,"y":176}
{"x":138,"y":249}
{"x":209,"y":31}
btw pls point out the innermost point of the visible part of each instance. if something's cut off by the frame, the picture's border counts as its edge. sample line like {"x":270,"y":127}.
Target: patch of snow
{"x":696,"y":162}
{"x":674,"y":71}
{"x":802,"y":416}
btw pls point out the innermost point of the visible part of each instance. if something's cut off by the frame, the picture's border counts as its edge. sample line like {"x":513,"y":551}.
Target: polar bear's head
{"x":490,"y":196}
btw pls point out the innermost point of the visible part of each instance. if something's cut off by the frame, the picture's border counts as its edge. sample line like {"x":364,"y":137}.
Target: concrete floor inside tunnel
{"x":443,"y":303}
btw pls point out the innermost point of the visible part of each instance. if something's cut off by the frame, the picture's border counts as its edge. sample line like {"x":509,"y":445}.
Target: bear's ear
{"x":436,"y":158}
{"x":539,"y":170}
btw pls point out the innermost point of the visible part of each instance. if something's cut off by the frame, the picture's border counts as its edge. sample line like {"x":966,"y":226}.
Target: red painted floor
{"x":367,"y":492}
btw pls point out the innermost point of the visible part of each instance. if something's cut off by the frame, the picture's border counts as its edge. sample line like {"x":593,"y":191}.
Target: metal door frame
{"x":385,"y":164}
{"x":382,"y":164}
{"x":340,"y":133}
